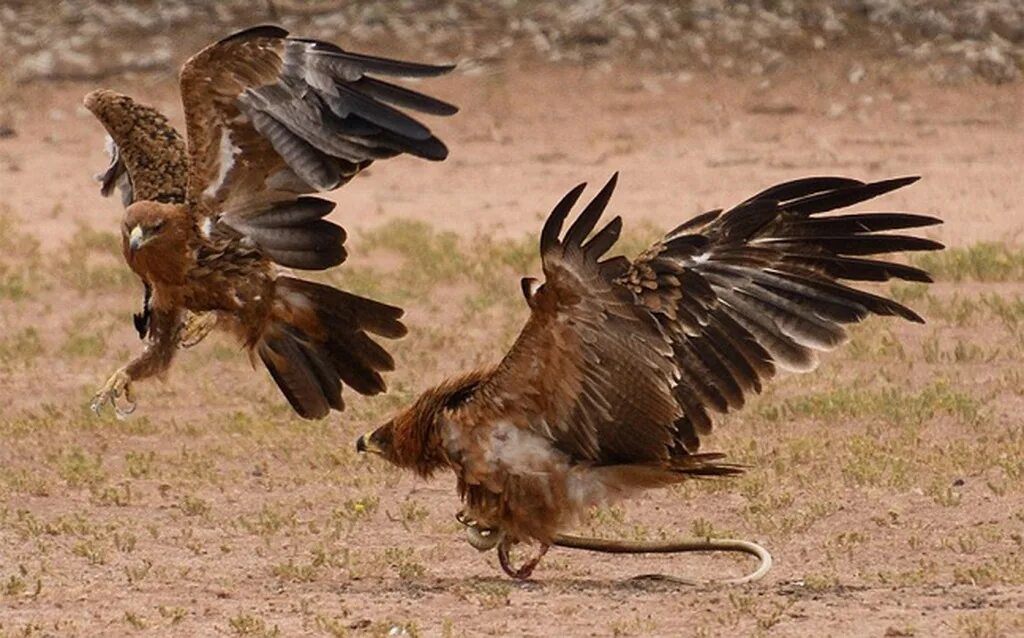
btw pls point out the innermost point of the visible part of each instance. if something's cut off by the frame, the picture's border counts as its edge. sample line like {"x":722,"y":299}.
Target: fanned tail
{"x":319,"y":338}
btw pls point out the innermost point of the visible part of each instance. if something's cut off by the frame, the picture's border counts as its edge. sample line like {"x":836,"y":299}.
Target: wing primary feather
{"x":804,"y":187}
{"x":857,"y":269}
{"x":310,"y":164}
{"x":855,"y":244}
{"x":859,"y":223}
{"x":353,"y":102}
{"x":260,"y":31}
{"x":697,"y":222}
{"x":843,"y":197}
{"x":587,"y":220}
{"x":553,"y":226}
{"x":605,"y":238}
{"x":401,"y":96}
{"x":374,"y":64}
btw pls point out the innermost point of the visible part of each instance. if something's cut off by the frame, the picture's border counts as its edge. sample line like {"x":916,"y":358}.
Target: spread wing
{"x":147,"y":155}
{"x":622,"y":362}
{"x":147,"y":162}
{"x":272,"y":117}
{"x":592,"y":370}
{"x":760,"y":287}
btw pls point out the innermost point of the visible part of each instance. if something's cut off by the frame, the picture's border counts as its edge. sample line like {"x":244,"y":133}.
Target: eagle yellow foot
{"x":196,"y":327}
{"x":526,"y":569}
{"x":119,"y":384}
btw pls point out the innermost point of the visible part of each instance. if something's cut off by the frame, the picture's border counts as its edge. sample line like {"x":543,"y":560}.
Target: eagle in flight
{"x":612,"y":382}
{"x":269,"y":119}
{"x":165,"y":180}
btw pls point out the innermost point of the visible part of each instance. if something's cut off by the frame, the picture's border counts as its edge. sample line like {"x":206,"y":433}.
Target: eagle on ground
{"x":613,"y":380}
{"x":269,"y":119}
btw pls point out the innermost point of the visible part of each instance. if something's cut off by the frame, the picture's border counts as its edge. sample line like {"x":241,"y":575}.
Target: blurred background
{"x":944,"y":39}
{"x":888,"y":484}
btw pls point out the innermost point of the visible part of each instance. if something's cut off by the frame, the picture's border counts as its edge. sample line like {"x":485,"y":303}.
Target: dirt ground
{"x":888,"y":484}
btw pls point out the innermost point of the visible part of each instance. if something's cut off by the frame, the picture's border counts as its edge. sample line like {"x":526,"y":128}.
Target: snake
{"x":487,"y":539}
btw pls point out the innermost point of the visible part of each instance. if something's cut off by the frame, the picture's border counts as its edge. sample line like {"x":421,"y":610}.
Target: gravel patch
{"x":948,"y":40}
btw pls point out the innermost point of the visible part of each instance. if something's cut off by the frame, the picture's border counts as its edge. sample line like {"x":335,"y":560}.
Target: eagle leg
{"x":117,"y":385}
{"x":526,"y":569}
{"x":195,"y":328}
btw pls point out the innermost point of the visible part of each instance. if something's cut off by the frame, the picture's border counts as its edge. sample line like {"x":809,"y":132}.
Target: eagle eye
{"x":461,"y":396}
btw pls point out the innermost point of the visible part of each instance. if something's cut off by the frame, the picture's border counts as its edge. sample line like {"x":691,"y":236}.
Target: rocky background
{"x":948,"y":40}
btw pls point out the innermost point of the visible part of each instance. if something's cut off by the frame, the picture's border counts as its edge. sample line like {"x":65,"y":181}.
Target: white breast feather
{"x":520,"y":451}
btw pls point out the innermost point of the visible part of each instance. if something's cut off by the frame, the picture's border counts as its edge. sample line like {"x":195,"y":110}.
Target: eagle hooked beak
{"x":365,"y":443}
{"x":136,"y":239}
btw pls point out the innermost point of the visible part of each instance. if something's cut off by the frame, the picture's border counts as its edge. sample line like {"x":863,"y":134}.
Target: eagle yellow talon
{"x":119,"y":384}
{"x":196,"y":327}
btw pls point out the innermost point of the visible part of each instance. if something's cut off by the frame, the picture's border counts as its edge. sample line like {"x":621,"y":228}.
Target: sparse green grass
{"x":290,"y":571}
{"x":249,"y":625}
{"x":202,"y":481}
{"x":269,"y":521}
{"x":892,"y":405}
{"x":92,"y":262}
{"x":404,"y":562}
{"x":140,"y":464}
{"x":989,"y":624}
{"x":135,"y":620}
{"x":22,"y":348}
{"x":194,"y":506}
{"x":431,"y":260}
{"x":20,"y":260}
{"x":639,"y":625}
{"x":174,"y":615}
{"x":491,"y":594}
{"x":79,"y":468}
{"x":985,"y":261}
{"x":84,"y":346}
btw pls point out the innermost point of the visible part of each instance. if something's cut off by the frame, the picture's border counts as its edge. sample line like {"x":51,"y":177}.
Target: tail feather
{"x":300,"y":375}
{"x":317,"y":342}
{"x":680,"y":467}
{"x":345,"y":308}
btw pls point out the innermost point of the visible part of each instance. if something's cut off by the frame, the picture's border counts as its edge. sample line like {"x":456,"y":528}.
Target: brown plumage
{"x":156,"y":151}
{"x":612,"y":382}
{"x":269,"y":118}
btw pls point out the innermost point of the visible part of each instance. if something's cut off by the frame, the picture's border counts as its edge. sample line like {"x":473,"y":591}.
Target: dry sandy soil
{"x":889,"y":484}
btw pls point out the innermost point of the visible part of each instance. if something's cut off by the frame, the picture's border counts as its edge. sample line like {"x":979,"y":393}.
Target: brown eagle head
{"x":414,"y":438}
{"x":154,"y":238}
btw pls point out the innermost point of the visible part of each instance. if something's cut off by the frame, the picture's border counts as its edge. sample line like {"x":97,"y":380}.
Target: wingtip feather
{"x":553,"y":225}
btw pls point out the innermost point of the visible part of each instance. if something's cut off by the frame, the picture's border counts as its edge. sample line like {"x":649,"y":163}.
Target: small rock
{"x":836,"y":110}
{"x":857,"y":74}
